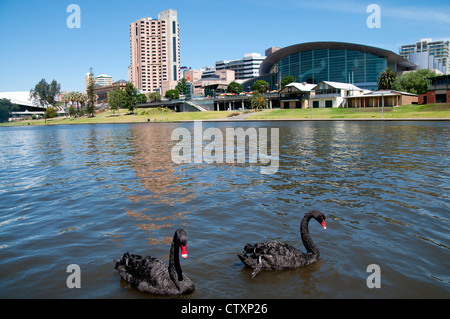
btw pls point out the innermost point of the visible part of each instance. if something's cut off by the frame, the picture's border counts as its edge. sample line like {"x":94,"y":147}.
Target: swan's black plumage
{"x":149,"y":274}
{"x":277,"y":255}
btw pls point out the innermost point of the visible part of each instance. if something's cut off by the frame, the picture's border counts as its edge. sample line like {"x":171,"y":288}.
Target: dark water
{"x":86,"y":194}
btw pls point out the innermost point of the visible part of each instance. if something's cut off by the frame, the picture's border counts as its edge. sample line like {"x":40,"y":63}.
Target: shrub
{"x":51,"y":112}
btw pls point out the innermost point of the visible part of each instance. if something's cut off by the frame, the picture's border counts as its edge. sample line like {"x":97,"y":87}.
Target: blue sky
{"x":36,"y":43}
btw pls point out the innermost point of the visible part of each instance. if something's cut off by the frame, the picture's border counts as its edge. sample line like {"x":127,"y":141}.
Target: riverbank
{"x":405,"y":112}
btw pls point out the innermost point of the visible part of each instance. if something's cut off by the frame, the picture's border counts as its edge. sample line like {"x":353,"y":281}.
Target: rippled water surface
{"x":86,"y":194}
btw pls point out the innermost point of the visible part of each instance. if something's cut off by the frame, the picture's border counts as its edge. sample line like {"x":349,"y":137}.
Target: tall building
{"x":438,"y":49}
{"x":155,"y":52}
{"x":245,"y":68}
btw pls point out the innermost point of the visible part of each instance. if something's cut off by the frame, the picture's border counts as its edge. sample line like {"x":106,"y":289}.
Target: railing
{"x":326,"y":95}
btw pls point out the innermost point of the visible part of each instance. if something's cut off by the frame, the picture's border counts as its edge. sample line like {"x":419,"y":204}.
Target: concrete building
{"x":155,"y":52}
{"x":201,"y":79}
{"x":208,"y":76}
{"x":245,"y":68}
{"x":424,"y":60}
{"x":271,"y":50}
{"x":438,"y":49}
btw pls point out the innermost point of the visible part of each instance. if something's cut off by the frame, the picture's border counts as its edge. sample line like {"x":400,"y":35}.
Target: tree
{"x":116,"y":99}
{"x":386,"y":79}
{"x":131,"y":93}
{"x":154,"y":97}
{"x":6,"y":107}
{"x":261,"y":86}
{"x":234,"y":87}
{"x":66,"y":100}
{"x":141,"y":98}
{"x":414,"y":82}
{"x":181,"y":86}
{"x":75,"y":96}
{"x":54,"y":89}
{"x":286,"y":80}
{"x":257,"y":101}
{"x":173,"y":94}
{"x":81,"y":99}
{"x":91,"y":96}
{"x":72,"y":111}
{"x":70,"y":97}
{"x":51,"y":112}
{"x":44,"y":93}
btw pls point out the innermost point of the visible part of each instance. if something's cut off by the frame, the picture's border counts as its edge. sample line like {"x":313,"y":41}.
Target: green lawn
{"x":144,"y":115}
{"x":405,"y":111}
{"x":124,"y":116}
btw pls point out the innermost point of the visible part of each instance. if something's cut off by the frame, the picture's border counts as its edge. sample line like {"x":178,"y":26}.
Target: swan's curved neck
{"x":306,"y":237}
{"x":174,"y":262}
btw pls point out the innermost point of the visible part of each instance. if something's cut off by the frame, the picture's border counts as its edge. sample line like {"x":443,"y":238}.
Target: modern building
{"x":26,"y":105}
{"x":424,"y":60}
{"x":103,"y":80}
{"x":439,"y":49}
{"x":205,"y":77}
{"x":155,"y":52}
{"x":315,"y":62}
{"x":438,"y":90}
{"x":245,"y":68}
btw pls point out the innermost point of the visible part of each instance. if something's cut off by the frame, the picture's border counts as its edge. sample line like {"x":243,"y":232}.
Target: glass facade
{"x":347,"y":66}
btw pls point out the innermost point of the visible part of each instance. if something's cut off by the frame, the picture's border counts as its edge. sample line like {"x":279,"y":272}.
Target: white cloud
{"x":437,"y":14}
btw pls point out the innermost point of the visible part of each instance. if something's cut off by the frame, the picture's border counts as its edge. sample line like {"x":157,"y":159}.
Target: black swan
{"x":277,"y":255}
{"x":151,"y":275}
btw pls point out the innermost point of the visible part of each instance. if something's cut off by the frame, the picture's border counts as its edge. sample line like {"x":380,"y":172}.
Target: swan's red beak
{"x":183,"y":251}
{"x":324,"y":225}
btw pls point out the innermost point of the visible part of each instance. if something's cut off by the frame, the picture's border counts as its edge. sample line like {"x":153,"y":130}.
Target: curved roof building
{"x":315,"y":62}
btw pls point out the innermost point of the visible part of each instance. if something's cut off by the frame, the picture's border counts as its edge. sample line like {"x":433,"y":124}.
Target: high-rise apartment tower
{"x":439,"y":49}
{"x":155,"y":52}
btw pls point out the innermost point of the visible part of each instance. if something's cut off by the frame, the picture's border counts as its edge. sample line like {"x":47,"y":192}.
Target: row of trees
{"x":412,"y":82}
{"x":259,"y":86}
{"x":44,"y":94}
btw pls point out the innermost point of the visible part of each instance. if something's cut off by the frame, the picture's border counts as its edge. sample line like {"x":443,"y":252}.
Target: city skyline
{"x":39,"y":43}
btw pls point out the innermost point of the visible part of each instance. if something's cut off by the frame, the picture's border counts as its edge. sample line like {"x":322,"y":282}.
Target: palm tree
{"x":66,"y":100}
{"x":71,"y":97}
{"x":386,"y":79}
{"x":258,"y":101}
{"x":78,"y":98}
{"x":81,"y":99}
